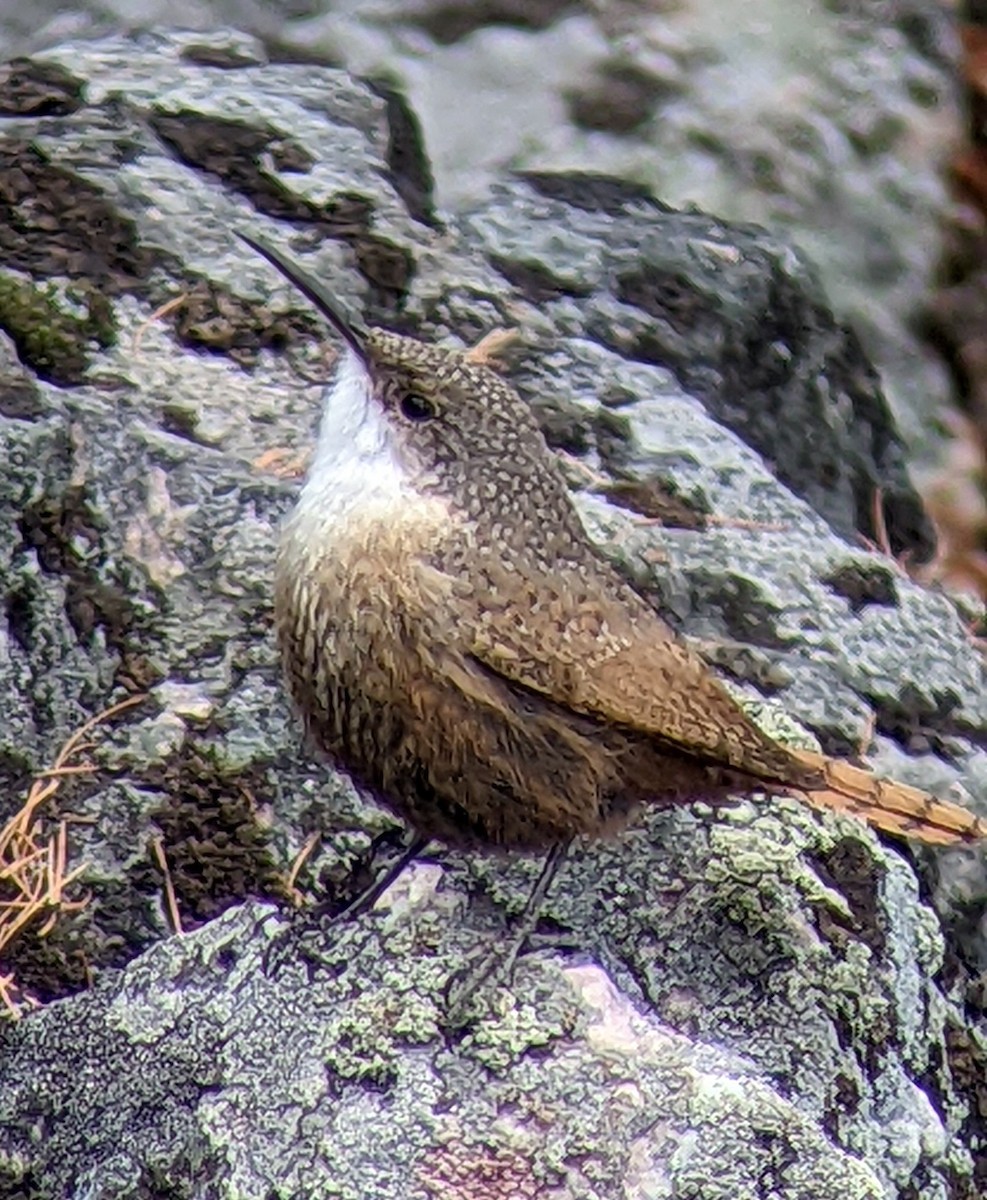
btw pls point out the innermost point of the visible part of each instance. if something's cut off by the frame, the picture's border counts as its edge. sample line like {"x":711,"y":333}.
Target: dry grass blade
{"x":300,"y":859}
{"x":169,"y":887}
{"x":162,"y":311}
{"x":33,"y":875}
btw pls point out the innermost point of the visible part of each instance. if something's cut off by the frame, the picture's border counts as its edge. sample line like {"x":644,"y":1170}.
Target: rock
{"x":833,"y":127}
{"x":759,"y":999}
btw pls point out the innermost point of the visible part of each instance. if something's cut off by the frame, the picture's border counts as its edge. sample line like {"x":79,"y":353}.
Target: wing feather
{"x":584,"y":638}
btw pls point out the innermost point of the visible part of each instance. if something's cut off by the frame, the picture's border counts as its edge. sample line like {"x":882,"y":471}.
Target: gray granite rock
{"x":830,"y":122}
{"x":741,"y":1002}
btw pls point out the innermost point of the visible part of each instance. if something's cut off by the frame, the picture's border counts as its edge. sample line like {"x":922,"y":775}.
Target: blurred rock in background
{"x":830,"y":123}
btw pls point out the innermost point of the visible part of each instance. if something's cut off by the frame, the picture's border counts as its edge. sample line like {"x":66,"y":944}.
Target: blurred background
{"x":856,"y":128}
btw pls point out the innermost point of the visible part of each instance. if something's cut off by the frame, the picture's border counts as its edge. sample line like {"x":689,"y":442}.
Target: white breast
{"x":355,"y":469}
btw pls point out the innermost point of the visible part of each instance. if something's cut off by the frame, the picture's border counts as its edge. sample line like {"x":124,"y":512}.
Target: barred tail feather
{"x":895,"y":807}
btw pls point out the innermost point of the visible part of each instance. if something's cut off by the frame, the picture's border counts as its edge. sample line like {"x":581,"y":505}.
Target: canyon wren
{"x":455,"y":643}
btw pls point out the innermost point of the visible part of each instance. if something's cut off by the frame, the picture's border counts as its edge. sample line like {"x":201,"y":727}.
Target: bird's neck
{"x":355,"y":468}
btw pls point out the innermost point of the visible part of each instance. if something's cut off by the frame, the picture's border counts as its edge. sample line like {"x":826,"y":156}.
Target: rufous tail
{"x":896,"y":807}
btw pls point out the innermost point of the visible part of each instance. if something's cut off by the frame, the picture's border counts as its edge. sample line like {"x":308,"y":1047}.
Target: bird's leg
{"x":321,"y":917}
{"x":497,"y":963}
{"x":412,"y":846}
{"x":395,"y":838}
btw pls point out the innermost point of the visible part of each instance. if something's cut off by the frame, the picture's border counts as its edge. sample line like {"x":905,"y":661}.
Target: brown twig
{"x":300,"y":859}
{"x":33,"y":867}
{"x":162,"y":311}
{"x":880,"y":524}
{"x":282,"y":462}
{"x":491,"y":346}
{"x":169,"y":887}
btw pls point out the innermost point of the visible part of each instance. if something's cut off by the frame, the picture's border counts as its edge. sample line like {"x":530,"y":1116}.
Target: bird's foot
{"x":492,"y":967}
{"x":313,"y":923}
{"x":496,"y":963}
{"x":489,"y":967}
{"x":308,"y":939}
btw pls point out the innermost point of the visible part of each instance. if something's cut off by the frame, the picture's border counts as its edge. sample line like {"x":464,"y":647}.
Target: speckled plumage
{"x":456,"y":644}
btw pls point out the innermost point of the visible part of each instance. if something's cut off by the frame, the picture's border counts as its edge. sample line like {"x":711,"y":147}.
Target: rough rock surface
{"x":754,"y":1001}
{"x":829,"y":121}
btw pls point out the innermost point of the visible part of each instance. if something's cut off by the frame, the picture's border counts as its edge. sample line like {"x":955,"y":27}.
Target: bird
{"x":455,"y":643}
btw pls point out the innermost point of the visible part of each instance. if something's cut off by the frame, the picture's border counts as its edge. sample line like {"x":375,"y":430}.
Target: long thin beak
{"x":310,"y":287}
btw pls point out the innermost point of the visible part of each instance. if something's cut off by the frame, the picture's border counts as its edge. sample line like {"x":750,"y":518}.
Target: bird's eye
{"x":417,"y":407}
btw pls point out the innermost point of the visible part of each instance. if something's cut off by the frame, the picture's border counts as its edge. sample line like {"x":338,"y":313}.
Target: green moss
{"x":51,"y":339}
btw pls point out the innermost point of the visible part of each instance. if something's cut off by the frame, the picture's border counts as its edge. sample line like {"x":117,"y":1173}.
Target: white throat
{"x":355,"y":468}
